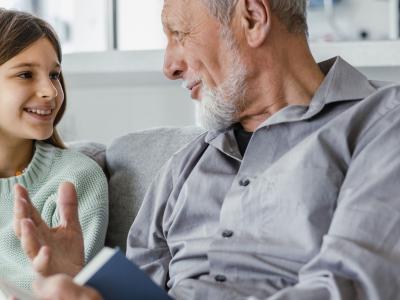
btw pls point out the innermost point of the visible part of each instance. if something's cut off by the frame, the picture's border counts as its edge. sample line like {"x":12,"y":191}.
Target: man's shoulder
{"x":368,"y":118}
{"x":381,"y":84}
{"x":385,"y":98}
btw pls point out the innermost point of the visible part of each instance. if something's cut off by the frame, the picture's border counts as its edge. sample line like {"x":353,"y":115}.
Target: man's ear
{"x":255,"y":20}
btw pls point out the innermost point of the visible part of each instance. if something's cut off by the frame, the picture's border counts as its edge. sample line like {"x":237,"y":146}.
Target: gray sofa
{"x":131,"y":162}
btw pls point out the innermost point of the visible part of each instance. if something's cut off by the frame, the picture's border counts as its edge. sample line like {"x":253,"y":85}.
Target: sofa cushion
{"x":95,"y":151}
{"x":132,"y":162}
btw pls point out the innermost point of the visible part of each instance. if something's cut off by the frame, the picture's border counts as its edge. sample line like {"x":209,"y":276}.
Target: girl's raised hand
{"x":51,"y":250}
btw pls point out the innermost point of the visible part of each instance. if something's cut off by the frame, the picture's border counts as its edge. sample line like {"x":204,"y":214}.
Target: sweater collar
{"x":37,"y":169}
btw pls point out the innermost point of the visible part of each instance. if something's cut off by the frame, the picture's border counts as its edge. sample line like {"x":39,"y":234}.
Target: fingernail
{"x":24,"y":200}
{"x":26,"y":221}
{"x":20,"y":202}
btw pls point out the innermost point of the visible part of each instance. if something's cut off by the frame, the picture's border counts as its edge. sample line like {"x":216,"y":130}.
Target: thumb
{"x":68,"y":205}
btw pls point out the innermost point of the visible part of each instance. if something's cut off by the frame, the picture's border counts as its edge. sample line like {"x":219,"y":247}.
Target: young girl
{"x":32,"y":102}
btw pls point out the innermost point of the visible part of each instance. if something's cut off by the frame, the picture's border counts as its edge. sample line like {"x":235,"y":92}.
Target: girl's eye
{"x":25,"y":75}
{"x":55,"y":76}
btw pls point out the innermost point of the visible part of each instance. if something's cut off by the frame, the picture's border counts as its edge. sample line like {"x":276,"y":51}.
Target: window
{"x":99,"y":25}
{"x":139,"y":25}
{"x":81,"y":25}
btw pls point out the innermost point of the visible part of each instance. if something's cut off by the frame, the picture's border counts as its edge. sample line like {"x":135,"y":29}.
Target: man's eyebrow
{"x":165,"y":22}
{"x":33,"y":65}
{"x":163,"y":17}
{"x":168,"y":23}
{"x":171,"y":26}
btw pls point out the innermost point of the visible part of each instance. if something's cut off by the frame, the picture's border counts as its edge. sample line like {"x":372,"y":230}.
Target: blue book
{"x":117,"y":278}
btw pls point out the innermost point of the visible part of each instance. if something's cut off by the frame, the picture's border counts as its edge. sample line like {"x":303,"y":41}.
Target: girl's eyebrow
{"x":33,"y":65}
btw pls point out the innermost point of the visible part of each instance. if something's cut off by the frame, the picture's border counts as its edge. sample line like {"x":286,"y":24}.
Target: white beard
{"x":219,"y":107}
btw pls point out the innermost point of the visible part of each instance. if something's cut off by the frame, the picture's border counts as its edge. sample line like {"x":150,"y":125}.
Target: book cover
{"x":117,"y":278}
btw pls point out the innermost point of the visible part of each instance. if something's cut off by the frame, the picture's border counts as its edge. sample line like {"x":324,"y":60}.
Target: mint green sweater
{"x":49,"y":167}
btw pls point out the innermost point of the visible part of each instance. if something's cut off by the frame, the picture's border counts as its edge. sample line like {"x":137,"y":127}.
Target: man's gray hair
{"x":292,"y":13}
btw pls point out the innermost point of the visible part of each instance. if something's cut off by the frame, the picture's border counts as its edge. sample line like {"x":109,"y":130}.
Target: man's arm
{"x":146,"y":244}
{"x":360,"y":255}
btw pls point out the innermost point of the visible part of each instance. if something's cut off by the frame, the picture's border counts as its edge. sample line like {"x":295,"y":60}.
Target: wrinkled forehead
{"x":178,"y":11}
{"x":165,"y":13}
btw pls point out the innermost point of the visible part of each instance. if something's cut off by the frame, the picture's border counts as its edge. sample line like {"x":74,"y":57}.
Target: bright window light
{"x":139,"y":25}
{"x":81,"y":25}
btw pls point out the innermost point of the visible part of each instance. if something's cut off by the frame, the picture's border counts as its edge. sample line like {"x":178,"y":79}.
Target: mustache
{"x":190,"y":82}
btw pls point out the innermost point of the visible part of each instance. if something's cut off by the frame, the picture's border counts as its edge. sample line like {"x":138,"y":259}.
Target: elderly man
{"x":291,"y":194}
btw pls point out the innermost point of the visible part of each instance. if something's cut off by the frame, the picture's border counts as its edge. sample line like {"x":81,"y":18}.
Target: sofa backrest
{"x":132,"y":161}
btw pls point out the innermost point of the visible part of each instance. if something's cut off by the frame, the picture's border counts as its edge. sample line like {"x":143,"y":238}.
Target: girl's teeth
{"x":39,"y":111}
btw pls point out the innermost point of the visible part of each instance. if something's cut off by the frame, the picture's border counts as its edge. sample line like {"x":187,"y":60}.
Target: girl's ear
{"x":255,"y":20}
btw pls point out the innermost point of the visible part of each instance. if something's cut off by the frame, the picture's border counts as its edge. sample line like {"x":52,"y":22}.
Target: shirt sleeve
{"x":146,"y":245}
{"x":360,"y":255}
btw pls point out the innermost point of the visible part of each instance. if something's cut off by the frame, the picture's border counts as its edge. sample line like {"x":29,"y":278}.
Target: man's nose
{"x":174,"y":64}
{"x":46,"y":89}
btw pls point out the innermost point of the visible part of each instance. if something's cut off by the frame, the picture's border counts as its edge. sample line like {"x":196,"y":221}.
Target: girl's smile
{"x":30,"y":93}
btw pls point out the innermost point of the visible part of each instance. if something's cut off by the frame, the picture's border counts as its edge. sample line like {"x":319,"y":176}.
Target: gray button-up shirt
{"x":312,"y":210}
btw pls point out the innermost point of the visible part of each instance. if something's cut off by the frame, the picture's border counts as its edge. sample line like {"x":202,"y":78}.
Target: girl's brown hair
{"x":18,"y":30}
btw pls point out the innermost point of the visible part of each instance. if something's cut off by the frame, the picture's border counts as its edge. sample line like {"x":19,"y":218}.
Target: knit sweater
{"x":49,"y":167}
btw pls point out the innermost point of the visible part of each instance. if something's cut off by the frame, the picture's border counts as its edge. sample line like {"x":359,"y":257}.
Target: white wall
{"x":382,"y":73}
{"x":117,"y":92}
{"x":104,"y":112}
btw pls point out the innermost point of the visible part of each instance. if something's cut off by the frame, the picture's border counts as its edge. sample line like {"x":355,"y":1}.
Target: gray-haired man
{"x":293,"y":192}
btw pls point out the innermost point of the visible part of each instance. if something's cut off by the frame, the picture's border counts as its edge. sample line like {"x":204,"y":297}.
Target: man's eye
{"x":25,"y":75}
{"x":179,"y":35}
{"x":55,"y":76}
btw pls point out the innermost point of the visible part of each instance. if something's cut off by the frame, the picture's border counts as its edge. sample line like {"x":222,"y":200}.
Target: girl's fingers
{"x":22,"y":200}
{"x":20,"y":212}
{"x":29,"y":238}
{"x":68,"y":206}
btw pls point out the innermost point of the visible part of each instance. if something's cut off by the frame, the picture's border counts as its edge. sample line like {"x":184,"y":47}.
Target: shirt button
{"x":244,"y":182}
{"x":220,"y":278}
{"x":227,"y":233}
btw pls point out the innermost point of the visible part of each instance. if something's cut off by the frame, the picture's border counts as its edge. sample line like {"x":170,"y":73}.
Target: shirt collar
{"x":342,"y":82}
